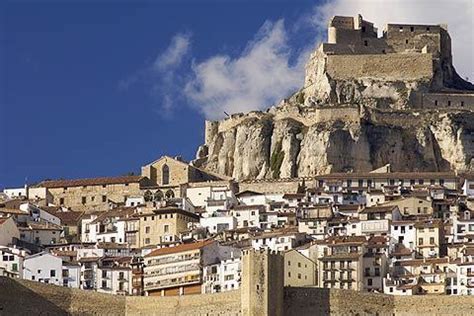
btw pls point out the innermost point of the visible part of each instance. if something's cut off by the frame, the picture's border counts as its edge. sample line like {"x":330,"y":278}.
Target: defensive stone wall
{"x":271,"y":186}
{"x":20,"y":297}
{"x":448,"y":101}
{"x":396,"y":67}
{"x":318,"y":301}
{"x":307,"y":117}
{"x":219,"y":304}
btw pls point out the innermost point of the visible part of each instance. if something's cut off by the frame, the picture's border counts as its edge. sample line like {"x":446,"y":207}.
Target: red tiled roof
{"x":180,"y":248}
{"x":90,"y":181}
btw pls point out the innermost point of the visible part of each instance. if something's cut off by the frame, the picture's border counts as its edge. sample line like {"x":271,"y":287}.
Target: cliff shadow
{"x":17,"y":299}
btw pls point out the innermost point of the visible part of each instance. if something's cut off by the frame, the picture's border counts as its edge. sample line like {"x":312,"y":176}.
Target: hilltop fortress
{"x":367,"y":101}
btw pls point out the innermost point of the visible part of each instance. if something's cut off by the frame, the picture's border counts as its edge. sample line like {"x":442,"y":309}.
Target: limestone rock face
{"x":270,"y":147}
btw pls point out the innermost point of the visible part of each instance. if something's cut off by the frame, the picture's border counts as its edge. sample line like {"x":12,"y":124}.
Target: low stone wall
{"x":21,"y":297}
{"x":318,"y":301}
{"x":220,"y":304}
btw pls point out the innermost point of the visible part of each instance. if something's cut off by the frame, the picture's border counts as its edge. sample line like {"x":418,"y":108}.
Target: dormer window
{"x":412,"y":29}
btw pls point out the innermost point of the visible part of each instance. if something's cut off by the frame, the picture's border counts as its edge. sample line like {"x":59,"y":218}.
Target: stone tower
{"x":262,"y":283}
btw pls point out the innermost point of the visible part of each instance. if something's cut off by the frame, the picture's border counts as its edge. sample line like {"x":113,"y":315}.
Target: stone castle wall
{"x":309,"y":117}
{"x":396,"y":67}
{"x":448,"y":101}
{"x":20,"y":297}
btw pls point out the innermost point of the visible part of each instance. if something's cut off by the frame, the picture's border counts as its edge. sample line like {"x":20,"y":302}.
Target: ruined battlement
{"x":354,"y":35}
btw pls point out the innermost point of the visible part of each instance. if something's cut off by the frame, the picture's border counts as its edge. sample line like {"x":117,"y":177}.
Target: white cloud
{"x":458,"y":14}
{"x":174,"y":54}
{"x":266,"y":71}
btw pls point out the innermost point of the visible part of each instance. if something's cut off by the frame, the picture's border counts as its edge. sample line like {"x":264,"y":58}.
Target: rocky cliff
{"x":355,"y":113}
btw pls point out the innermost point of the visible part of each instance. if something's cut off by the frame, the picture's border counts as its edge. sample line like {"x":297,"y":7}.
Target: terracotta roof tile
{"x":180,"y":248}
{"x":90,"y":181}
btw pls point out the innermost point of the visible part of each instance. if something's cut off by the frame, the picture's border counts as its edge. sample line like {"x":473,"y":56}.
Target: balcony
{"x":174,"y":270}
{"x":170,"y":283}
{"x":155,"y":262}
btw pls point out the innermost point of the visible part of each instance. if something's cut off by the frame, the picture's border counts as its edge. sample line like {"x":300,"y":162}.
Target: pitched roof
{"x":378,"y":209}
{"x":90,"y":181}
{"x":180,"y":248}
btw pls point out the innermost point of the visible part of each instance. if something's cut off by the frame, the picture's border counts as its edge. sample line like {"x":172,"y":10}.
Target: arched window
{"x":158,"y":196}
{"x":148,"y":196}
{"x":169,"y":194}
{"x":165,"y":175}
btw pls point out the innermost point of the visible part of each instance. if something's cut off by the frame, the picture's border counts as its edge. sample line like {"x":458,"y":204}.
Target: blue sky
{"x":99,"y":88}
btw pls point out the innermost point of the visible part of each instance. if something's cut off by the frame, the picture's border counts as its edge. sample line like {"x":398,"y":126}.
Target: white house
{"x":251,"y":198}
{"x":278,"y":241}
{"x":114,"y":275}
{"x":404,"y":232}
{"x":224,"y":275}
{"x":71,"y":275}
{"x":11,"y":259}
{"x":247,"y":215}
{"x":43,"y":267}
{"x":219,"y":222}
{"x":15,"y":192}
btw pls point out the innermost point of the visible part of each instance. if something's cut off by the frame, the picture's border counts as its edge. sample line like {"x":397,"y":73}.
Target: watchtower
{"x":262,"y":283}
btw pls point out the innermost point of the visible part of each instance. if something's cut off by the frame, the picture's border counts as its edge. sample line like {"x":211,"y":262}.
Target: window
{"x":366,"y":43}
{"x":165,"y":175}
{"x":147,"y":230}
{"x":436,"y":102}
{"x":420,"y":241}
{"x":369,"y":282}
{"x":166,"y":228}
{"x":104,"y":198}
{"x":52,"y":273}
{"x":84,"y":199}
{"x":449,"y":103}
{"x":412,"y":29}
{"x":104,"y":273}
{"x":147,"y":241}
{"x":432,"y":240}
{"x":462,"y":103}
{"x":61,"y":201}
{"x":104,"y":284}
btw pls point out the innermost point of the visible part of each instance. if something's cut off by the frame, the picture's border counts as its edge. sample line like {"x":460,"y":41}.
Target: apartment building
{"x":299,"y":270}
{"x":224,"y":275}
{"x":161,"y":225}
{"x":429,"y":236}
{"x":341,"y":262}
{"x":114,"y":275}
{"x":178,"y":270}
